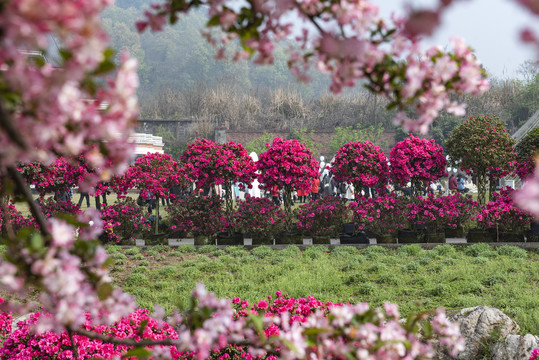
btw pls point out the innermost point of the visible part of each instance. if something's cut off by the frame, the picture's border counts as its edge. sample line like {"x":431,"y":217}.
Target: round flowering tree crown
{"x":362,"y":164}
{"x":288,"y":165}
{"x":482,"y":146}
{"x":155,"y":173}
{"x":209,"y":163}
{"x":416,"y":160}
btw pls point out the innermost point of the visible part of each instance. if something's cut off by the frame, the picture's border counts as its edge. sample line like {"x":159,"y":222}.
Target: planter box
{"x":203,"y":240}
{"x":477,"y":236}
{"x":360,"y":238}
{"x":287,"y":238}
{"x":321,"y":240}
{"x":457,"y":232}
{"x":234,"y":239}
{"x":435,"y":238}
{"x":156,"y":239}
{"x":386,"y":239}
{"x":410,"y":237}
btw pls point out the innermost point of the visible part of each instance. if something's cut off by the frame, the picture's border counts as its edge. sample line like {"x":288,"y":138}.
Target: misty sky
{"x":491,"y":27}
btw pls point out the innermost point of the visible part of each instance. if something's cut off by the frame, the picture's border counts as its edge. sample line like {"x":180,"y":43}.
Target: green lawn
{"x":415,"y":279}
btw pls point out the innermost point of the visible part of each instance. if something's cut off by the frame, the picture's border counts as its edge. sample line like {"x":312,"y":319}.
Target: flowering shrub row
{"x":285,"y":327}
{"x":123,"y":220}
{"x":323,"y":217}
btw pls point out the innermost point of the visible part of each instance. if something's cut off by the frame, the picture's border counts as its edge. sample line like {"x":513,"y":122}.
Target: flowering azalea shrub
{"x":382,"y":215}
{"x":288,"y":165}
{"x":503,"y":215}
{"x":5,"y":323}
{"x":431,"y":213}
{"x":23,"y":343}
{"x":280,"y":327}
{"x":123,"y":220}
{"x":362,"y":164}
{"x":416,"y":160}
{"x":323,"y":217}
{"x":259,"y":217}
{"x":11,"y":217}
{"x":59,"y":176}
{"x":197,"y":215}
{"x":51,"y":207}
{"x":458,"y":208}
{"x":534,"y":355}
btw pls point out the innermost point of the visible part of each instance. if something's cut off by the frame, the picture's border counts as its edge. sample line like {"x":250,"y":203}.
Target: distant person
{"x":315,"y":188}
{"x":461,"y":188}
{"x":452,"y":184}
{"x":84,"y":195}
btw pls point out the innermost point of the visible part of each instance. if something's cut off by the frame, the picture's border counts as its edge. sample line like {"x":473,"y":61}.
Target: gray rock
{"x":481,"y":326}
{"x":515,"y":347}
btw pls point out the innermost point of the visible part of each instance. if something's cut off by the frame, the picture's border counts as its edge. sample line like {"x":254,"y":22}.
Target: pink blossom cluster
{"x":458,"y":208}
{"x":350,"y":42}
{"x":323,"y":217}
{"x":502,"y":214}
{"x":59,"y":176}
{"x":415,"y":159}
{"x":287,"y":164}
{"x":381,"y":215}
{"x":209,"y":163}
{"x":70,"y":270}
{"x":362,"y":164}
{"x":50,"y":112}
{"x":258,"y":217}
{"x":122,"y":220}
{"x":534,"y":355}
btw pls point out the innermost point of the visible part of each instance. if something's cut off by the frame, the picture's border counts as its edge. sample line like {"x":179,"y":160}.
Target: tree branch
{"x":34,"y":208}
{"x":10,"y":129}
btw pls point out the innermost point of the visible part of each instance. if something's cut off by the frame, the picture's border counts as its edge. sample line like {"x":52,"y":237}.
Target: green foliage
{"x":512,"y":251}
{"x":527,"y":150}
{"x":258,"y":145}
{"x":410,"y":250}
{"x":185,"y":249}
{"x":132,"y":251}
{"x":136,"y":279}
{"x":344,"y":135}
{"x":207,"y":249}
{"x":262,"y":251}
{"x":305,"y":136}
{"x":111,"y":249}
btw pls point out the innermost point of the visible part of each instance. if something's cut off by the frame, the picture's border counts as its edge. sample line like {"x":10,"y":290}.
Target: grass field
{"x":415,"y":279}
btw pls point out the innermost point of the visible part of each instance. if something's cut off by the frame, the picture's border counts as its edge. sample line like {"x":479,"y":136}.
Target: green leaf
{"x":36,"y":241}
{"x":104,"y":291}
{"x":139,"y":353}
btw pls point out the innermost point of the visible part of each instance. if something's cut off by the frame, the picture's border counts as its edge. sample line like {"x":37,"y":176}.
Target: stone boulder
{"x":515,"y":347}
{"x":481,"y":326}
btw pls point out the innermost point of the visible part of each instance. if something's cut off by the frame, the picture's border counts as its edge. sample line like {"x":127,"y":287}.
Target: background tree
{"x":482,"y":146}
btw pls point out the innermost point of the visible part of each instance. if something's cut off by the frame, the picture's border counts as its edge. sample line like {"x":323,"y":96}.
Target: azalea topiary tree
{"x":416,"y":161}
{"x":60,"y":176}
{"x":362,"y":164}
{"x":208,"y":163}
{"x":482,"y":146}
{"x":155,"y":173}
{"x":287,"y":165}
{"x":527,"y":150}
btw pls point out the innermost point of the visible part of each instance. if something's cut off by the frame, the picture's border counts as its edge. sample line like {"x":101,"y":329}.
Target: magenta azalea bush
{"x":362,"y":164}
{"x":431,"y":213}
{"x":24,"y":344}
{"x":6,"y":320}
{"x":503,"y":215}
{"x":123,"y":220}
{"x":197,"y":215}
{"x":259,"y":217}
{"x":417,"y":160}
{"x":458,"y":208}
{"x":51,"y":207}
{"x":10,"y":216}
{"x":290,"y":327}
{"x":382,"y":215}
{"x":534,"y":355}
{"x":323,"y":217}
